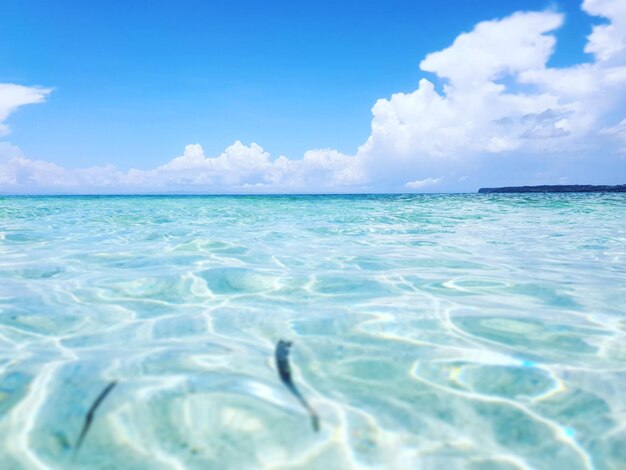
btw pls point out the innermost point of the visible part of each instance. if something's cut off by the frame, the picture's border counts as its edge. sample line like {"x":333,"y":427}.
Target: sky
{"x":346,"y":96}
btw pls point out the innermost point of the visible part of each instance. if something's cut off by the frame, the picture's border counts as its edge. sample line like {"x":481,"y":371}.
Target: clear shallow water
{"x":460,"y":331}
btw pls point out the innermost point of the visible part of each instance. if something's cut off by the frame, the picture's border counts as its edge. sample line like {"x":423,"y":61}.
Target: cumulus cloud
{"x":501,"y":109}
{"x":494,"y":109}
{"x":474,"y":113}
{"x":250,"y":167}
{"x":496,"y":48}
{"x":238,"y":169}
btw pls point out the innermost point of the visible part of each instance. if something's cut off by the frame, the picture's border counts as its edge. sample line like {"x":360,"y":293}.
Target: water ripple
{"x":460,"y":331}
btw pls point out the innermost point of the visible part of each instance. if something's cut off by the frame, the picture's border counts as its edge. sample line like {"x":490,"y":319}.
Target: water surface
{"x":443,"y":331}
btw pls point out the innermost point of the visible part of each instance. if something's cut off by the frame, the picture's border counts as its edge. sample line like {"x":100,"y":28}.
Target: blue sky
{"x":132,"y":83}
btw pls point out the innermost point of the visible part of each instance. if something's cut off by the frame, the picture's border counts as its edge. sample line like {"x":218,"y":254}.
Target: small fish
{"x":90,"y":414}
{"x":284,"y":371}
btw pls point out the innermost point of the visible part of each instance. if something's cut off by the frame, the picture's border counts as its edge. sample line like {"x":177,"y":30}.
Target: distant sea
{"x":429,"y":331}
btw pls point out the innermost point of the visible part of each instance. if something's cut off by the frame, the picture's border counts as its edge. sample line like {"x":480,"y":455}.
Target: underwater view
{"x":478,"y":331}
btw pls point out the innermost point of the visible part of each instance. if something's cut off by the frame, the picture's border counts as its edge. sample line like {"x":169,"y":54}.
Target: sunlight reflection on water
{"x":439,"y":331}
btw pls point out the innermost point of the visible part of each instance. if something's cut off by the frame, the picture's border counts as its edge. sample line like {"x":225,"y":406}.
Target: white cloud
{"x":238,"y":165}
{"x":607,"y":41}
{"x":13,"y":96}
{"x":419,"y":184}
{"x":495,"y":48}
{"x":495,"y":109}
{"x":475,"y":113}
{"x":618,"y":133}
{"x":501,"y":107}
{"x":239,"y":168}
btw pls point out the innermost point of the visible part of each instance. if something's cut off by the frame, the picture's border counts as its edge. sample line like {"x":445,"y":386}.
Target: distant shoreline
{"x":561,"y":188}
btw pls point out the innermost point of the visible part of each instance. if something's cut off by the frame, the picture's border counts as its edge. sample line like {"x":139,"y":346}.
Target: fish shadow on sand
{"x":284,"y":372}
{"x":90,"y":414}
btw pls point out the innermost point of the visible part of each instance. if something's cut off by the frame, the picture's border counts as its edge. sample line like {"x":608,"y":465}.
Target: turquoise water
{"x":443,"y":331}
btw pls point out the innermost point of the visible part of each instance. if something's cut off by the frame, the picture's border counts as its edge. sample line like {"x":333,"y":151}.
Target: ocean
{"x":428,"y":331}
